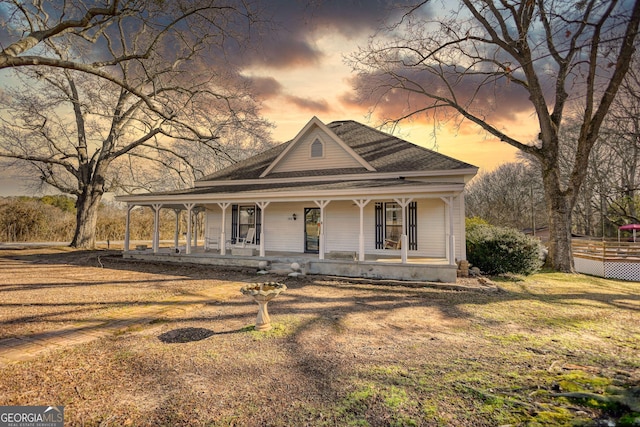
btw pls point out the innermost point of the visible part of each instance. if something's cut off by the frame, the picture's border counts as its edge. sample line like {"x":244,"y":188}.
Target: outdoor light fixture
{"x":294,"y":216}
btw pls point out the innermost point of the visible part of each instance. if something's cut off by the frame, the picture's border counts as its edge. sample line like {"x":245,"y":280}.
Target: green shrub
{"x":499,"y":250}
{"x":472,"y":222}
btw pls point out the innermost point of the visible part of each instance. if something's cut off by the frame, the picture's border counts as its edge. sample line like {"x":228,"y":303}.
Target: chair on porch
{"x":392,"y":244}
{"x":248,"y":240}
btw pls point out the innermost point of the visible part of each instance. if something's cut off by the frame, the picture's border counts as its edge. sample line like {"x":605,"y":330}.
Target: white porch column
{"x":189,"y":207}
{"x":176,"y":234}
{"x":404,"y":242}
{"x":361,"y":204}
{"x":321,"y":204}
{"x":127,"y":228}
{"x":156,"y":227}
{"x":223,"y":238}
{"x":451,"y":240}
{"x":262,"y":206}
{"x":205,"y":229}
{"x":196,"y":212}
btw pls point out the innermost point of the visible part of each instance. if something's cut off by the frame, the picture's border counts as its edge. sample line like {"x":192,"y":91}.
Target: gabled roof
{"x":380,"y":151}
{"x":316,"y":123}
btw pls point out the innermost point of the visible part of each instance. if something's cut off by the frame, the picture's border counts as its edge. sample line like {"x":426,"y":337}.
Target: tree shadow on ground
{"x":183,"y":335}
{"x":113,"y":260}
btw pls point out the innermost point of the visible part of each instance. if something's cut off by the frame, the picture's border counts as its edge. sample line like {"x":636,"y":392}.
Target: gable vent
{"x":317,"y":149}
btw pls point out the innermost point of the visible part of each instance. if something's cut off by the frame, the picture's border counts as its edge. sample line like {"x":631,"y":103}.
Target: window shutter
{"x":258,"y":224}
{"x":379,"y":213}
{"x":412,"y":226}
{"x":234,"y":224}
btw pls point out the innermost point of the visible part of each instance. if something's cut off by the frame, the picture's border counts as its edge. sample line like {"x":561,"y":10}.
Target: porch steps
{"x":283,"y":269}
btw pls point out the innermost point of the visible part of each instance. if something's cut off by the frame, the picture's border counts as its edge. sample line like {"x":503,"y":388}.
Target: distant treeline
{"x":53,"y":219}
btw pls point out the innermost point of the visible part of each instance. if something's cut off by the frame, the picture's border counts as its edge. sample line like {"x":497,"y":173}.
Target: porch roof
{"x":290,"y":191}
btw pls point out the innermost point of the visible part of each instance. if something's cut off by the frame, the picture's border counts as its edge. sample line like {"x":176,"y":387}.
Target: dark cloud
{"x":284,"y":52}
{"x":265,"y":87}
{"x":315,"y":106}
{"x":289,"y":38}
{"x":497,"y":102}
{"x":347,"y":17}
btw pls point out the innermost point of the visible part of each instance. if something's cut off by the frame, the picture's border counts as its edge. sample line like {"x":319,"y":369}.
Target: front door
{"x":312,"y":230}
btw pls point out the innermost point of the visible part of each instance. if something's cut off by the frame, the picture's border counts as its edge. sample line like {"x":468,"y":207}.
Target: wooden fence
{"x":612,"y":260}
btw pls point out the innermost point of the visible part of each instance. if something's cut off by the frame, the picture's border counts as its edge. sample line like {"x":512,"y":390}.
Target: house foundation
{"x":429,"y":271}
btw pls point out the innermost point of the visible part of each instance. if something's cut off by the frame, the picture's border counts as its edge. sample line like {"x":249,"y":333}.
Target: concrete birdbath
{"x":262,"y":293}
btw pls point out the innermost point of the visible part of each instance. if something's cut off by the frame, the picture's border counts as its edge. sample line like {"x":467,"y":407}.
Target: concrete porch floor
{"x":200,"y":252}
{"x":375,"y":266}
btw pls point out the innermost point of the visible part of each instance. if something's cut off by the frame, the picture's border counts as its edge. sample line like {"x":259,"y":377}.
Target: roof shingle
{"x":386,"y":153}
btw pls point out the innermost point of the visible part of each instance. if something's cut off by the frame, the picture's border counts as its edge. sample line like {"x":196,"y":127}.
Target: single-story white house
{"x":340,"y":198}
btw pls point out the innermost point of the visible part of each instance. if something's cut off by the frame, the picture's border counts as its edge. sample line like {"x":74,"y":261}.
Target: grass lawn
{"x":549,"y":349}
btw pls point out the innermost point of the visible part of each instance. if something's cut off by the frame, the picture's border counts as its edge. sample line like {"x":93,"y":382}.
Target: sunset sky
{"x":299,"y":71}
{"x":303,"y":73}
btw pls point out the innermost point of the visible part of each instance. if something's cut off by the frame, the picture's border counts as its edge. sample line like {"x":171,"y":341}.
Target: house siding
{"x":342,"y":227}
{"x":299,"y":159}
{"x":431,"y":221}
{"x":460,"y":228}
{"x":282,"y":233}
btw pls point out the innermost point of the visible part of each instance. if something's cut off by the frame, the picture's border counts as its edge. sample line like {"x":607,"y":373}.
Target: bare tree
{"x":623,"y":138}
{"x":511,"y":195}
{"x":589,"y":208}
{"x":147,"y":97}
{"x":608,"y":196}
{"x":84,"y":28}
{"x":499,"y":56}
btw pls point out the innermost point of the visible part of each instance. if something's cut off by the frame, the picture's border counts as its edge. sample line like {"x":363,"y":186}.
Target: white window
{"x":393,"y":222}
{"x":246,"y":220}
{"x":389,"y":226}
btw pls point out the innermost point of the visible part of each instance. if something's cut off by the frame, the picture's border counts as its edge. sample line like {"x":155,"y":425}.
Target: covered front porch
{"x":405,"y":231}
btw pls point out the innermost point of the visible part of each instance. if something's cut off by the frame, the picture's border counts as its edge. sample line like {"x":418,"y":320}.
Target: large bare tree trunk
{"x":560,"y":254}
{"x":86,"y":218}
{"x":559,"y":206}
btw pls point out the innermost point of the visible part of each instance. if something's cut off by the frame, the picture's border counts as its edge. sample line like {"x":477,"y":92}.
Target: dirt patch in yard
{"x":341,"y":351}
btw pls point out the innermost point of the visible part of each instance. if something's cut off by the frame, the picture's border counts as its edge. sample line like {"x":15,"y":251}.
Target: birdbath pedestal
{"x":262,"y":293}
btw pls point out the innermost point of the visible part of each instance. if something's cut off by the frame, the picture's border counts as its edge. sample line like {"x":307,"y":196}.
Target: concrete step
{"x":283,"y":269}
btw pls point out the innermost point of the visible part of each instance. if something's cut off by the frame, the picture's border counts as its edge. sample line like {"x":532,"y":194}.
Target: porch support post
{"x":262,"y":206}
{"x":127,"y":228}
{"x":321,"y":204}
{"x":451,"y":240}
{"x":176,"y":234}
{"x":196,"y":212}
{"x":404,"y":242}
{"x":205,"y":227}
{"x":194,"y":235}
{"x":223,"y":239}
{"x":361,"y":204}
{"x":189,"y":207}
{"x":156,"y":227}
